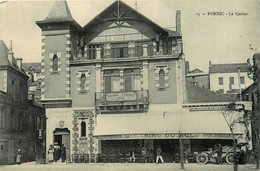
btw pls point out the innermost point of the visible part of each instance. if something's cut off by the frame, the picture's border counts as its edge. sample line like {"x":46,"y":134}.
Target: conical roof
{"x":59,"y":12}
{"x":3,"y":54}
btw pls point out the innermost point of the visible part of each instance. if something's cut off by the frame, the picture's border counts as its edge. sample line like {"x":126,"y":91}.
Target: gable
{"x":121,"y":15}
{"x":123,"y":33}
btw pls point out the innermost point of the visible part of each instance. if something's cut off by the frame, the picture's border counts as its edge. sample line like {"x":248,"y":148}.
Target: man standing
{"x":63,"y":153}
{"x":159,"y":155}
{"x":219,"y":154}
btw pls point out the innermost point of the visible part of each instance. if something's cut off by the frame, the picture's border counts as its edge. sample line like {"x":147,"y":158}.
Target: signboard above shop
{"x":169,"y":136}
{"x":121,"y":96}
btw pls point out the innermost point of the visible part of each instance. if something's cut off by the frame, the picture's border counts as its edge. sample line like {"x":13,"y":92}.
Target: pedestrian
{"x":18,"y":156}
{"x":159,"y":155}
{"x":50,"y":153}
{"x":56,"y":152}
{"x":219,"y":154}
{"x":132,"y":156}
{"x":63,"y":153}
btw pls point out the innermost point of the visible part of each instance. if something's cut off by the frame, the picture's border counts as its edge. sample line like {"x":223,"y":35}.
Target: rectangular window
{"x":220,"y":81}
{"x":115,"y":83}
{"x":2,"y":148}
{"x":137,"y":83}
{"x":112,"y":80}
{"x":231,"y":80}
{"x":242,"y":80}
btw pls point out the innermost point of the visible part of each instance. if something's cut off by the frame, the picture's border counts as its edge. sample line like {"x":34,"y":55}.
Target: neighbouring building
{"x":20,"y":118}
{"x":118,"y":84}
{"x":251,"y":94}
{"x":198,"y":78}
{"x":229,"y":78}
{"x":33,"y":70}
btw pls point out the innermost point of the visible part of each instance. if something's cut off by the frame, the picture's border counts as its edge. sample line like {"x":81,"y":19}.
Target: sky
{"x":221,"y":39}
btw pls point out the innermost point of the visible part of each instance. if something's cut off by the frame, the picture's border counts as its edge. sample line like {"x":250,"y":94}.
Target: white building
{"x":228,"y":78}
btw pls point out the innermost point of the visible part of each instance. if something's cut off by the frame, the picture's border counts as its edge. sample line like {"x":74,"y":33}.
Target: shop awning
{"x":196,"y":125}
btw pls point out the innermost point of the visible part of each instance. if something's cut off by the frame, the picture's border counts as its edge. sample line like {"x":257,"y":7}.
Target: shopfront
{"x":133,"y":132}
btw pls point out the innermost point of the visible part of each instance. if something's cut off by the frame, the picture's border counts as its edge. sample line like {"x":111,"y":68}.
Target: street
{"x":121,"y":167}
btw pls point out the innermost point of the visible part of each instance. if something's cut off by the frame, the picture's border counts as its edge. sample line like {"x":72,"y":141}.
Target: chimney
{"x":10,"y":53}
{"x":178,"y":21}
{"x":210,"y":64}
{"x":19,"y":62}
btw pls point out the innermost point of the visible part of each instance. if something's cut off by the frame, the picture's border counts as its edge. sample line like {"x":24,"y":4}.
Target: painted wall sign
{"x":170,"y":136}
{"x":122,"y":96}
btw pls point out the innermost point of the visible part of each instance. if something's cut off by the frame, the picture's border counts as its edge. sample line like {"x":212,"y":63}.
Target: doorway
{"x":62,"y":136}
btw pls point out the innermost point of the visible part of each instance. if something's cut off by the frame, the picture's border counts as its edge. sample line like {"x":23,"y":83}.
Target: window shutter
{"x":108,"y":84}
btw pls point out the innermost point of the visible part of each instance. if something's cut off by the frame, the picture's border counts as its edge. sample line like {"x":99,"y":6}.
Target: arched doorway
{"x":62,"y":136}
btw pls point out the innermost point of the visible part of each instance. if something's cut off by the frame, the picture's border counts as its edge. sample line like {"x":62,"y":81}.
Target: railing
{"x":126,"y":50}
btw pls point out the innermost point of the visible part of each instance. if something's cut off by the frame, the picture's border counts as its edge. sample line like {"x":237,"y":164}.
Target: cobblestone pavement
{"x":121,"y":167}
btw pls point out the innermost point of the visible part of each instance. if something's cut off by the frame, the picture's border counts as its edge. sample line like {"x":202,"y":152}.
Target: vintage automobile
{"x":227,"y":155}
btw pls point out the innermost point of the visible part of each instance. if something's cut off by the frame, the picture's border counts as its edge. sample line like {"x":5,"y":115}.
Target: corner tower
{"x":60,"y":33}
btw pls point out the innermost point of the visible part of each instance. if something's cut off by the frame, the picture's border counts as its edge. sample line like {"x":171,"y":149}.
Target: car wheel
{"x":202,"y":158}
{"x":230,"y":158}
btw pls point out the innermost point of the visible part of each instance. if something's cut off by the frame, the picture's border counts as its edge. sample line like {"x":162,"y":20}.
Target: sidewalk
{"x":123,"y":167}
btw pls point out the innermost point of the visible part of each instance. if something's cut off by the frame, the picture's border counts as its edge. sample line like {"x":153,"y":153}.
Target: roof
{"x":36,"y":66}
{"x":198,"y":95}
{"x":4,"y":61}
{"x":228,"y":68}
{"x":174,"y":121}
{"x":3,"y":54}
{"x":196,"y":71}
{"x":138,"y":16}
{"x":59,"y":13}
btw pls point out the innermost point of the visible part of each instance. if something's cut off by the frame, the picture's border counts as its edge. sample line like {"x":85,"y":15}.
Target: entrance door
{"x":66,"y":142}
{"x":62,"y":136}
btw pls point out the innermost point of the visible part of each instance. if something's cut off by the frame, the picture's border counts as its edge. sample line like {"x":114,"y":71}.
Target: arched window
{"x":161,"y":79}
{"x":82,"y":82}
{"x":55,"y":63}
{"x":83,"y":129}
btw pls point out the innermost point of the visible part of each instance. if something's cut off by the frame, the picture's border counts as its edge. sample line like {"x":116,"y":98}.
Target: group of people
{"x":146,"y":155}
{"x":55,"y":152}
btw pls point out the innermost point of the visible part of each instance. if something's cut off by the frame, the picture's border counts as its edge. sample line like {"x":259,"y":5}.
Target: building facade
{"x":118,"y":84}
{"x":20,"y":119}
{"x":229,"y":78}
{"x":198,"y":78}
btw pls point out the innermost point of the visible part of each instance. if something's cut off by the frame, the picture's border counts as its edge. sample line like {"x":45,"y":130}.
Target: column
{"x":131,"y":49}
{"x":98,"y":50}
{"x":86,"y":51}
{"x":107,"y":50}
{"x":145,"y":50}
{"x":145,"y":77}
{"x":122,"y":80}
{"x":98,"y":78}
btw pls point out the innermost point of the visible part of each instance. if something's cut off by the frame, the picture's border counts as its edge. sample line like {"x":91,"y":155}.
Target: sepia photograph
{"x":129,"y":85}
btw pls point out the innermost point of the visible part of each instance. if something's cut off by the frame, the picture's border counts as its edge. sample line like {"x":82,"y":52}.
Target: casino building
{"x":118,"y":84}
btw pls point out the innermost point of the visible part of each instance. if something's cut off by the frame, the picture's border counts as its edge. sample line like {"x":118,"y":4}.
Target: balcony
{"x":134,"y":101}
